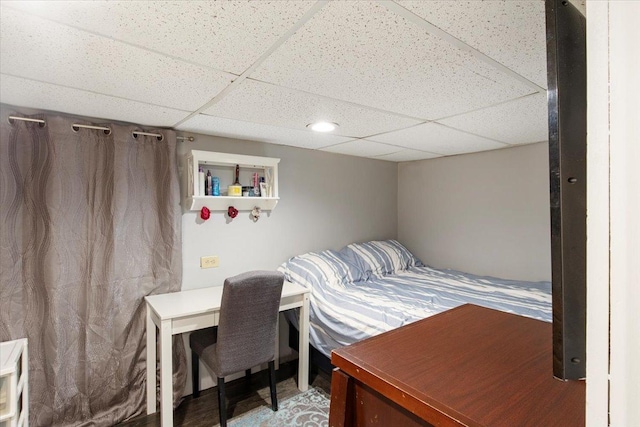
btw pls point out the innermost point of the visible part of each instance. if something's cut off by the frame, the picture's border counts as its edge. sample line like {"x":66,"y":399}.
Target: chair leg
{"x":222,"y":407}
{"x":247,"y":373}
{"x":195,"y":373}
{"x":272,"y":386}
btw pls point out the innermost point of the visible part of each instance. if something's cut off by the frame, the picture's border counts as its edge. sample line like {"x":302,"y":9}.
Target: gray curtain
{"x":90,"y":224}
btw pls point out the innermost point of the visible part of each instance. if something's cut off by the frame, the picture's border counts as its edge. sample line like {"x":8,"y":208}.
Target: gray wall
{"x":326,"y":201}
{"x":484,"y":213}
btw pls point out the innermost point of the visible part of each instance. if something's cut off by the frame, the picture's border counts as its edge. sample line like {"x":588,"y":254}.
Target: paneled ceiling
{"x":405,"y":80}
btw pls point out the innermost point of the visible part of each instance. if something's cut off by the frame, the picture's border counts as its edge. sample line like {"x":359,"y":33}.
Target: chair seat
{"x":203,"y":338}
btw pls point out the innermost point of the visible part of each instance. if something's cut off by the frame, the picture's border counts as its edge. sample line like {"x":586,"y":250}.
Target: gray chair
{"x":245,"y":336}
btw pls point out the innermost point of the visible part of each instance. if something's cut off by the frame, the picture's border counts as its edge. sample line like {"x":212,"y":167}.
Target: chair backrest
{"x":248,"y":319}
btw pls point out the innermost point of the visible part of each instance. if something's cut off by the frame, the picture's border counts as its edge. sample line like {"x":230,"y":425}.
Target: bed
{"x":369,"y":288}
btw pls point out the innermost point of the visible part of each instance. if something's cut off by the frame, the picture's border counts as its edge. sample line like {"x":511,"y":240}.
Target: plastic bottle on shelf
{"x":208,"y":191}
{"x":216,"y":186}
{"x":256,"y":185}
{"x":263,"y":188}
{"x":201,"y":184}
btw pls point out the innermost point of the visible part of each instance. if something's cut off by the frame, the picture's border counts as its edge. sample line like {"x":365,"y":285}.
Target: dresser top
{"x":470,"y":366}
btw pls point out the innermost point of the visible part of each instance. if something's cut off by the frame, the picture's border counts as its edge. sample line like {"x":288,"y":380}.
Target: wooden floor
{"x":243,"y":395}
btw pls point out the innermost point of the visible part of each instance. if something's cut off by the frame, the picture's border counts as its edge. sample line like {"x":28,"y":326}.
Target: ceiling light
{"x":322,"y":126}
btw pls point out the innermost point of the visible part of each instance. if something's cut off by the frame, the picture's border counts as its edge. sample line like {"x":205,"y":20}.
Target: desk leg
{"x":151,"y":364}
{"x":166,"y":378}
{"x":303,"y":350}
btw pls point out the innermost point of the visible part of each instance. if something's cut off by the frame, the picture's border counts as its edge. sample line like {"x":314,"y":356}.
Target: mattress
{"x":356,"y":295}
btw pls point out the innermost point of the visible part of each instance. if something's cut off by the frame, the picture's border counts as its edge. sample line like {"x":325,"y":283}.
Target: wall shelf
{"x":221,"y":203}
{"x":223,"y":166}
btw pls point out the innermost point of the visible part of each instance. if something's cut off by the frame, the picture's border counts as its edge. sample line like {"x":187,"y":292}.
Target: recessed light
{"x":322,"y":126}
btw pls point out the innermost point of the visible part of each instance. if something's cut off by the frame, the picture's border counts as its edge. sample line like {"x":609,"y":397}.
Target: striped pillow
{"x":381,"y":258}
{"x":320,"y":269}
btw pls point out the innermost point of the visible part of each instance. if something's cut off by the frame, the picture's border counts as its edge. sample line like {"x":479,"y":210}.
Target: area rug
{"x":308,"y":409}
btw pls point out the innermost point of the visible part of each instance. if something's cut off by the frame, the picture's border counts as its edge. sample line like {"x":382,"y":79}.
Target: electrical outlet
{"x":209,"y":261}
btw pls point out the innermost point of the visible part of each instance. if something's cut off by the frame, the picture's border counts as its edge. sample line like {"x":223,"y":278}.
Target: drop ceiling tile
{"x":210,"y":125}
{"x":42,"y":50}
{"x":438,"y":139}
{"x":511,"y":32}
{"x":522,"y":121}
{"x":260,"y":102}
{"x":226,"y":35}
{"x":362,"y":148}
{"x":364,"y":53}
{"x":28,"y":93}
{"x":406,"y":155}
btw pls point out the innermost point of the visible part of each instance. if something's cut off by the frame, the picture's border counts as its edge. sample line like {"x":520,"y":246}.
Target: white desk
{"x":186,"y":311}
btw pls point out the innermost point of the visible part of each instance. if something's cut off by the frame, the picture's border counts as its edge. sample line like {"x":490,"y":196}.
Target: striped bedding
{"x":373,"y":287}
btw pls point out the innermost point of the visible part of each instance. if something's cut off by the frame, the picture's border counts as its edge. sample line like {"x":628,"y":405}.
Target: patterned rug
{"x":308,"y":409}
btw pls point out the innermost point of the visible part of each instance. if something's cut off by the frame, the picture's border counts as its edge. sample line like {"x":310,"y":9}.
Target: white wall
{"x":597,"y":345}
{"x":484,"y":213}
{"x":326,"y":201}
{"x":613,"y":214}
{"x":624,"y":212}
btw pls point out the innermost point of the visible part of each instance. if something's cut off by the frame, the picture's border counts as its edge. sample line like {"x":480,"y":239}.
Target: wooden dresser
{"x":470,"y":366}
